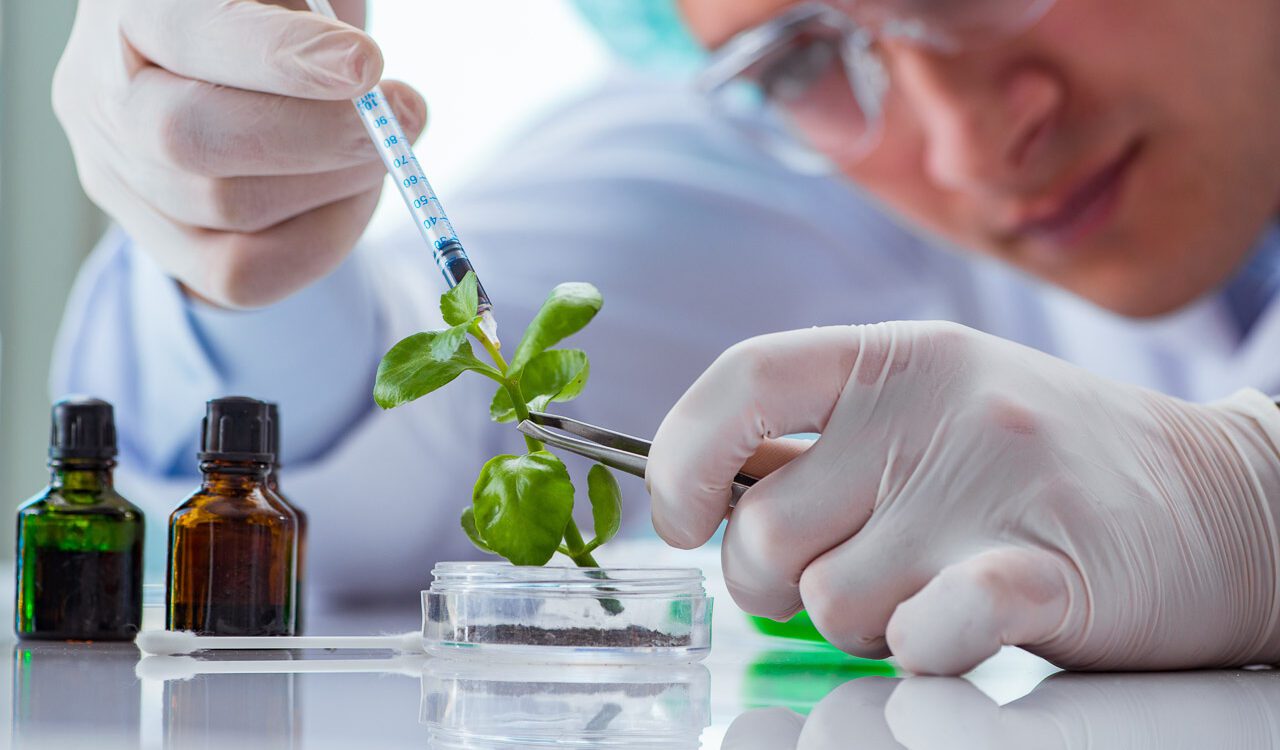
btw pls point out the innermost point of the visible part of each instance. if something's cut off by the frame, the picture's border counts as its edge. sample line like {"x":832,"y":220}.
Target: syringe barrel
{"x":397,"y":154}
{"x":455,"y":265}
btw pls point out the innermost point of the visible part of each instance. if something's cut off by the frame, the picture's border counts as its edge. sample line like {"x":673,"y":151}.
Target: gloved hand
{"x":221,"y":136}
{"x":968,"y":492}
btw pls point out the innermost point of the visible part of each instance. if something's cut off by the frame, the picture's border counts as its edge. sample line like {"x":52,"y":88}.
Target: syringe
{"x":434,"y":226}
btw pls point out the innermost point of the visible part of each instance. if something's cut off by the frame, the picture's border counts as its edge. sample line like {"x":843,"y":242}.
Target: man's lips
{"x":1082,"y":207}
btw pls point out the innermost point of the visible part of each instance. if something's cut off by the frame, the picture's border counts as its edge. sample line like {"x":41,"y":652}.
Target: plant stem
{"x":573,"y":538}
{"x":575,"y":546}
{"x":522,"y":413}
{"x":512,"y":386}
{"x":494,"y":353}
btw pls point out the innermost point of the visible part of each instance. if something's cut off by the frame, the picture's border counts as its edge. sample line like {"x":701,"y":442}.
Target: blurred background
{"x":510,"y":74}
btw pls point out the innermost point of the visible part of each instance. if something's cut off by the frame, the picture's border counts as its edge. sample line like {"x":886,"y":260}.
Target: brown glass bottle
{"x":273,"y":483}
{"x":233,"y":543}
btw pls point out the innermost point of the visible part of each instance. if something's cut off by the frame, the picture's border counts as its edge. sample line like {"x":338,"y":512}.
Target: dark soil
{"x":523,"y":635}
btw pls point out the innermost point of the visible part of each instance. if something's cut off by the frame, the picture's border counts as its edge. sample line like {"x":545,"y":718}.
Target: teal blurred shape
{"x":647,"y":34}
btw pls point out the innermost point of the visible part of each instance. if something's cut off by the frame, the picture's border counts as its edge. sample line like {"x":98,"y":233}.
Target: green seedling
{"x":522,"y":506}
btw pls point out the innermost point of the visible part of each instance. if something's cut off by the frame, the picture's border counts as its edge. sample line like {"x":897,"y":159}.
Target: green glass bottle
{"x":273,"y":483}
{"x":233,"y":543}
{"x":79,"y":557}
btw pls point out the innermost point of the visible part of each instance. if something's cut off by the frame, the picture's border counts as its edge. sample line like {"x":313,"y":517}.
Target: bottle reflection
{"x":1236,"y":709}
{"x":518,"y":706}
{"x":209,"y":710}
{"x":75,"y":695}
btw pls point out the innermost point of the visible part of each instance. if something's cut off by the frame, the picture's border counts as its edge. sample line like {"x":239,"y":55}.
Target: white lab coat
{"x":696,"y":242}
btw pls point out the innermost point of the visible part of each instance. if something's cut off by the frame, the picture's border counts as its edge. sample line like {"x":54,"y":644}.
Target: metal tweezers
{"x":613,"y":449}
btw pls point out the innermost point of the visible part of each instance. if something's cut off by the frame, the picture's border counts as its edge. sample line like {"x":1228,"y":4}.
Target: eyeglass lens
{"x":806,"y":79}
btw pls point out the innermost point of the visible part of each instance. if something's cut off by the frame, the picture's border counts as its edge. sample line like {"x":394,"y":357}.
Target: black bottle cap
{"x":84,"y":428}
{"x":236,"y":429}
{"x":273,"y":431}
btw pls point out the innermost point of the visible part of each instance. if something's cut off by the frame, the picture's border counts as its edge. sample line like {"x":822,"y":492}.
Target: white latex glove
{"x":968,"y":492}
{"x":1190,"y":710}
{"x":221,"y":135}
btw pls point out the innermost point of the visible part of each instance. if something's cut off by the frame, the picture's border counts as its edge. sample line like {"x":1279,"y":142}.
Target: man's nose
{"x":985,"y":120}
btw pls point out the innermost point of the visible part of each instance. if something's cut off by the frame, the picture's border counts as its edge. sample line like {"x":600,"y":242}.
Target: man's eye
{"x":792,"y":72}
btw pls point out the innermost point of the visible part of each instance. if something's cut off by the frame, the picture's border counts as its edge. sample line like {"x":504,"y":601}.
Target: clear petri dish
{"x":498,"y":611}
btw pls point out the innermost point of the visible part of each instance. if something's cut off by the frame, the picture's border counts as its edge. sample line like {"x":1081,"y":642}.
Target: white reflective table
{"x":753,"y":692}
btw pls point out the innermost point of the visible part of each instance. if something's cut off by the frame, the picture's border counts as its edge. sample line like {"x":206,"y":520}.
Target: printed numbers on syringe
{"x":423,"y":201}
{"x":413,"y":186}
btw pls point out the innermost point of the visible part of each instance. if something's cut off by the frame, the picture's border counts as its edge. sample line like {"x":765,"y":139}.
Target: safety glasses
{"x":816,"y":70}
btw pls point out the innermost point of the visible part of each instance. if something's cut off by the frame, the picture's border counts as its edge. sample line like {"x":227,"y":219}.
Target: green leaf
{"x":522,"y":505}
{"x":423,"y":363}
{"x":567,"y":310}
{"x":500,"y":408}
{"x":460,"y":304}
{"x":555,"y":375}
{"x":606,"y":504}
{"x":448,"y":342}
{"x":469,"y":526}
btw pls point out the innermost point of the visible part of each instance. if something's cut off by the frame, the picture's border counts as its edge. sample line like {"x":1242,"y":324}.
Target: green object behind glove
{"x":799,"y":627}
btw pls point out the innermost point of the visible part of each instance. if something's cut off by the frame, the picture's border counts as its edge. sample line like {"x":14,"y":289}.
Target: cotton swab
{"x":172,"y":642}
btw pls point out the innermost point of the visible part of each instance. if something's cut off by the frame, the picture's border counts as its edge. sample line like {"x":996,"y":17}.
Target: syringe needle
{"x":397,"y":155}
{"x":489,"y":328}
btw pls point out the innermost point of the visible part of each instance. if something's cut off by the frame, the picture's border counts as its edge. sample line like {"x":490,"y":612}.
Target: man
{"x":967,"y":492}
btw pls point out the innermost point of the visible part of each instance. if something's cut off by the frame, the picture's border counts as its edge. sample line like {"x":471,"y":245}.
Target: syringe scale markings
{"x":423,"y":204}
{"x":397,"y":155}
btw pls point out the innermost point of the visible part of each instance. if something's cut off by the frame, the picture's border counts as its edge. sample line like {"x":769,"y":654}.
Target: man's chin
{"x":1141,"y":298}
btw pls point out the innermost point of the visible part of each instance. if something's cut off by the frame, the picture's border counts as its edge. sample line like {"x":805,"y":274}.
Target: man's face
{"x":1127,"y":150}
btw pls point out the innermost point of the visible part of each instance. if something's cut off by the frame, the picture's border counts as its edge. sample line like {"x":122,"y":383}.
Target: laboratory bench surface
{"x":752,"y":692}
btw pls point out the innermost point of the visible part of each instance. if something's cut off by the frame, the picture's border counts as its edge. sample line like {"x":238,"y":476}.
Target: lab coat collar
{"x":1202,"y":326}
{"x":1208,"y":324}
{"x":1257,"y":352}
{"x":1250,"y":294}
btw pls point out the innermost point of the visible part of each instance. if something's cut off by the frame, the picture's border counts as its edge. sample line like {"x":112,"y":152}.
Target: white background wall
{"x":485,"y":67}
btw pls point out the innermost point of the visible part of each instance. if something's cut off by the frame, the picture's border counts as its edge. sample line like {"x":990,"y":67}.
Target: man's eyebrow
{"x":723,"y":36}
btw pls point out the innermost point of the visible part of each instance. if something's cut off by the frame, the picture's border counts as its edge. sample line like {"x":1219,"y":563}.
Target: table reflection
{"x":1236,"y":709}
{"x":256,"y":699}
{"x":799,"y":677}
{"x":478,"y":706}
{"x":67,"y":690}
{"x":287,"y":699}
{"x":206,"y":710}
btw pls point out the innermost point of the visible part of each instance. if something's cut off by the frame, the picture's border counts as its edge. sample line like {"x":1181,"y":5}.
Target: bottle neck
{"x":223,"y":476}
{"x":80,"y":475}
